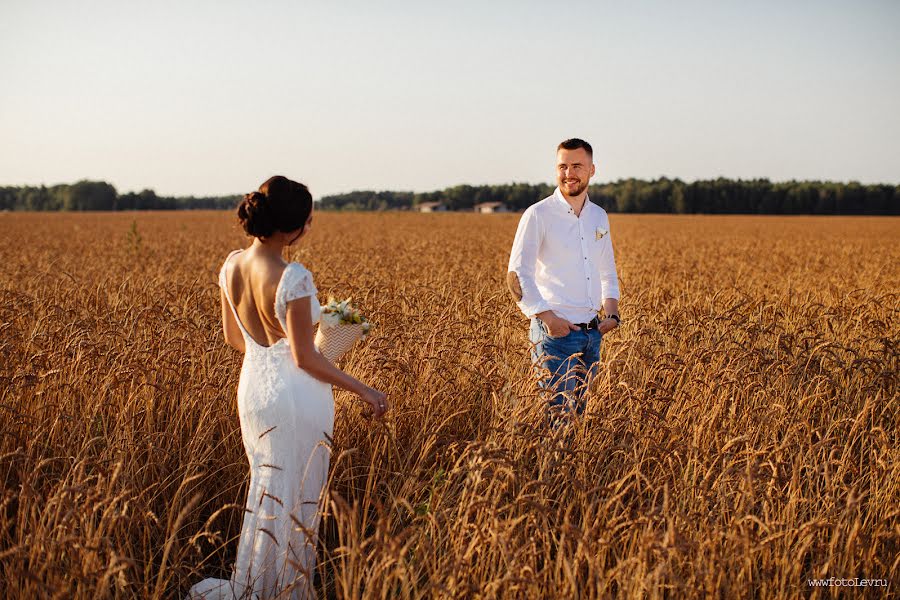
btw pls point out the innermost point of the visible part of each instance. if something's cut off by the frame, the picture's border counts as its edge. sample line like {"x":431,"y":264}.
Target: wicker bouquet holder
{"x":335,"y":341}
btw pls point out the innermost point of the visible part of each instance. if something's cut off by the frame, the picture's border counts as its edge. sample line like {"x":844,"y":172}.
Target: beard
{"x":576,"y":191}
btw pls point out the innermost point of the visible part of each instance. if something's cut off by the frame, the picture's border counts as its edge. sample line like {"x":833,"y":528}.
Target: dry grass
{"x":741,"y":439}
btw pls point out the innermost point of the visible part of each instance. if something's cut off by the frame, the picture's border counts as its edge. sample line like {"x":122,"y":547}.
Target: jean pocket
{"x":554,"y":338}
{"x":545,"y":332}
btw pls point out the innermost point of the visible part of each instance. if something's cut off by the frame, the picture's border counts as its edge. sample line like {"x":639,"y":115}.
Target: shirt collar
{"x":564,"y":204}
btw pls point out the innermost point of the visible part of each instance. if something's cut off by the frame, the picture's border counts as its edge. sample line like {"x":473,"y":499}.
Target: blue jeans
{"x":572,"y":361}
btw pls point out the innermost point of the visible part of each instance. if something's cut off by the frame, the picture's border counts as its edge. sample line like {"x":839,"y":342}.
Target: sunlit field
{"x":740,"y":440}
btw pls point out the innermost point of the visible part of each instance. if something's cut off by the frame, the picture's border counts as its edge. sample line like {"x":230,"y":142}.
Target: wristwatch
{"x":616,"y":317}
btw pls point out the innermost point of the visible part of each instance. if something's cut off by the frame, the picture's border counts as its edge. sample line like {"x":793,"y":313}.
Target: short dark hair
{"x":279,"y":205}
{"x":575,"y":144}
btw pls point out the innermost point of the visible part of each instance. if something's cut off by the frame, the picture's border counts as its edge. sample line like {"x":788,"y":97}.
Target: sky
{"x":212,"y":97}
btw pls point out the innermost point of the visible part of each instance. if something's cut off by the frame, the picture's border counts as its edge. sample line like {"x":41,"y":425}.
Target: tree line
{"x":728,"y":196}
{"x":100,"y":195}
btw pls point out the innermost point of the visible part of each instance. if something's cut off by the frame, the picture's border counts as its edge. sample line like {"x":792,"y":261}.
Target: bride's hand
{"x":377,"y":400}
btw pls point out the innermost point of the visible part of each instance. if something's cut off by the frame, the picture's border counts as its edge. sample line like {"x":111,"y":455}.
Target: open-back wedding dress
{"x":287,"y":418}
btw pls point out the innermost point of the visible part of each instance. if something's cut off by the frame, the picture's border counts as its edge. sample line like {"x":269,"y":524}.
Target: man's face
{"x":574,"y":170}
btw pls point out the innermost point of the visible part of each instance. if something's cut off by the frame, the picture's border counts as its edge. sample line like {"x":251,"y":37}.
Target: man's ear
{"x":512,"y":282}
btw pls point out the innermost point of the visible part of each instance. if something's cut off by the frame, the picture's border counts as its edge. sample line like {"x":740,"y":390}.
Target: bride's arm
{"x":308,"y":358}
{"x":230,"y":327}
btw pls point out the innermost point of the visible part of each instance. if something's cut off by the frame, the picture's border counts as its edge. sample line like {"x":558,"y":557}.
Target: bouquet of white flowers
{"x":340,"y":326}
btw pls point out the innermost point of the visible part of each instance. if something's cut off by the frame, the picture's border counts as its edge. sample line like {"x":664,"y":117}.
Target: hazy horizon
{"x":212,"y":98}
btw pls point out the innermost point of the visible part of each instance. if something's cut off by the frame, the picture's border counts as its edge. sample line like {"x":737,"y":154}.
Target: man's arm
{"x":611,"y":306}
{"x":522,"y":261}
{"x":520,"y":276}
{"x":609,"y":280}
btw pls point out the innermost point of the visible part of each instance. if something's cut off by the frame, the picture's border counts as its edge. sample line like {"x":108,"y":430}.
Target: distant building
{"x":431,"y":207}
{"x":491,"y":207}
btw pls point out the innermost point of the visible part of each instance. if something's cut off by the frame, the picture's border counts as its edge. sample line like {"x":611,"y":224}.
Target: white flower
{"x":330,"y":319}
{"x":343,"y":312}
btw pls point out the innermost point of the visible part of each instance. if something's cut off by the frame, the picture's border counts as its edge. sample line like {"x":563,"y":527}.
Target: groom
{"x":561,"y":269}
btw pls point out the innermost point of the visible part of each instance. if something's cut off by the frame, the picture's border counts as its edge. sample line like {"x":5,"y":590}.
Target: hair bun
{"x":254,"y":215}
{"x":279,"y":205}
{"x":254,"y":199}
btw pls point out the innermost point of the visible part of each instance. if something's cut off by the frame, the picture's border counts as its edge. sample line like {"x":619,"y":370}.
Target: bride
{"x":285,"y":404}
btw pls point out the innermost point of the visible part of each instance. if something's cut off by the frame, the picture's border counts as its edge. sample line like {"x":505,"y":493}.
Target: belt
{"x":588,"y":326}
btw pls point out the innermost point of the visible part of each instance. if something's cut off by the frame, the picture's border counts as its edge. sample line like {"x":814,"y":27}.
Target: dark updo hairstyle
{"x":279,"y":205}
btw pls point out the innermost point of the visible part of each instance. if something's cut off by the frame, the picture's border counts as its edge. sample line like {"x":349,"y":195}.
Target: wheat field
{"x":741,"y":437}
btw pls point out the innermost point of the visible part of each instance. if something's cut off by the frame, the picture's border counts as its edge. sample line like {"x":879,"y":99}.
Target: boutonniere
{"x":599,"y":233}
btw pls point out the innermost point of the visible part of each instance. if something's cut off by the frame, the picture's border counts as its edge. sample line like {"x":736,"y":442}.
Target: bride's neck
{"x":268,"y":247}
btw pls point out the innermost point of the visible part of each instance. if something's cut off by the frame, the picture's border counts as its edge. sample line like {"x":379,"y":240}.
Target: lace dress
{"x":286,"y":417}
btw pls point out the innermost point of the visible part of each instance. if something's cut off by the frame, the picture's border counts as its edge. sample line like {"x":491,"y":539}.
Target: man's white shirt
{"x":564,"y":262}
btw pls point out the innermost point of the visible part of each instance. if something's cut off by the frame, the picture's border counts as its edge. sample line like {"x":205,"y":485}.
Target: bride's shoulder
{"x":222,"y":270}
{"x":296,"y":266}
{"x":232,"y":254}
{"x":293,"y":271}
{"x":296,"y":282}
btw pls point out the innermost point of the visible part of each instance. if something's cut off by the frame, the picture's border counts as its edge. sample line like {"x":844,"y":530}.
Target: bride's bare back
{"x":252,"y":280}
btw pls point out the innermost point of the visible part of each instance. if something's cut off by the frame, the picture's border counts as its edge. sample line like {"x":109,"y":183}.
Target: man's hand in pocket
{"x":556,"y":326}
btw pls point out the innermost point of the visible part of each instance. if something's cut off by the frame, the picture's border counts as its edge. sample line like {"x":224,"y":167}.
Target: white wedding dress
{"x":287,"y":419}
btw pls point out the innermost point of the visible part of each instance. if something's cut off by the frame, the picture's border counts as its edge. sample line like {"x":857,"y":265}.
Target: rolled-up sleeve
{"x":609,"y":278}
{"x":523,"y":261}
